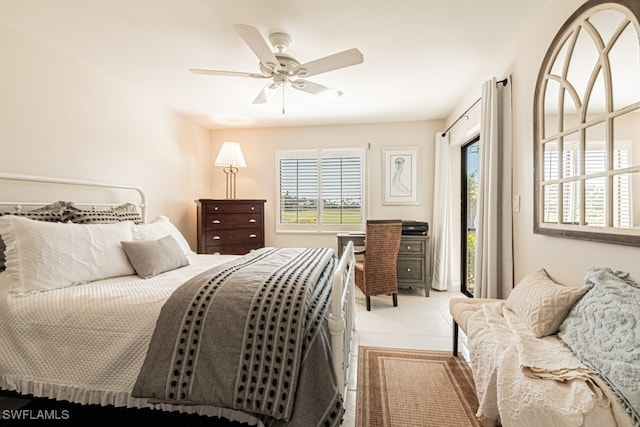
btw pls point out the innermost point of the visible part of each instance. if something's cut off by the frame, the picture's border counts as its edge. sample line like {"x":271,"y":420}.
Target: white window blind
{"x":589,"y":183}
{"x":320,"y":190}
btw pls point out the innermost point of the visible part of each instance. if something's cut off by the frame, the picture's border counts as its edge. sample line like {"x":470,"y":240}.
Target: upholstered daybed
{"x":554,"y":355}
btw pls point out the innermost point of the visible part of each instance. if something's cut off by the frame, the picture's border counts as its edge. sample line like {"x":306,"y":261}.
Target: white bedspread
{"x":86,"y":343}
{"x":526,"y":381}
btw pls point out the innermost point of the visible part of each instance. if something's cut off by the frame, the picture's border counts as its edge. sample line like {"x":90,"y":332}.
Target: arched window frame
{"x":553,"y":186}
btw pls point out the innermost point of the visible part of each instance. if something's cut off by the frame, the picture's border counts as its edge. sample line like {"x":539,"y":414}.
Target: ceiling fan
{"x":283,"y":68}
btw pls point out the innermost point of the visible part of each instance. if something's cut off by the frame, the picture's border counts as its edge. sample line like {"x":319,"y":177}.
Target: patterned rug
{"x":400,"y":387}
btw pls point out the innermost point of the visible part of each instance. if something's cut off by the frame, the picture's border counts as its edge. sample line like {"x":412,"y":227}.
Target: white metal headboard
{"x":5,"y":176}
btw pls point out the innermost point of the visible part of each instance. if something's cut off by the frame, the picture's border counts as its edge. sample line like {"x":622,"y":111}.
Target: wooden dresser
{"x":230,"y":226}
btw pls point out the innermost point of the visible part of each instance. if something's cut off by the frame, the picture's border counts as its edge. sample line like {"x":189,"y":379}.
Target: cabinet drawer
{"x":410,"y":270}
{"x":232,"y":237}
{"x":235,"y":208}
{"x":412,"y":247}
{"x":220,"y":221}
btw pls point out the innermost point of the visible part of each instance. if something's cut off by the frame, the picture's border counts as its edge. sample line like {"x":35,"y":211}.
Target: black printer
{"x":415,"y":228}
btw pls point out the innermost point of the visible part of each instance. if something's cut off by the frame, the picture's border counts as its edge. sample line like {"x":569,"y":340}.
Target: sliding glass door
{"x":469,"y":197}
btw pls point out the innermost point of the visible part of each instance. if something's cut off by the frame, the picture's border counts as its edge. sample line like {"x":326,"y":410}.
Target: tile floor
{"x":417,"y":323}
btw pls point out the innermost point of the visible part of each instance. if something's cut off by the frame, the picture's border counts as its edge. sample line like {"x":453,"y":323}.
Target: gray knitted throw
{"x":603,"y":330}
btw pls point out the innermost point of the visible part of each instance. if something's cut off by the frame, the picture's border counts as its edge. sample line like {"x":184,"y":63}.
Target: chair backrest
{"x":382,"y":243}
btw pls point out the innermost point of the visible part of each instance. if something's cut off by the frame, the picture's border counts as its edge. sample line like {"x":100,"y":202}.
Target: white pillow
{"x":543,"y":303}
{"x":47,"y":255}
{"x":157,"y":229}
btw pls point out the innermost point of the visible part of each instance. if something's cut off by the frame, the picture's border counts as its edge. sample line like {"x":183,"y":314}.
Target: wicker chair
{"x":376,"y":274}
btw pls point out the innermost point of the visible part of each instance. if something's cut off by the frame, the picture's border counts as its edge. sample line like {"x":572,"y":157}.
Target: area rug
{"x":400,"y":387}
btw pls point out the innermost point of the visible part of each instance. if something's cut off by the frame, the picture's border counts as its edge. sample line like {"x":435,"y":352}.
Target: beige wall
{"x":62,"y":119}
{"x":258,"y":180}
{"x":565,"y":259}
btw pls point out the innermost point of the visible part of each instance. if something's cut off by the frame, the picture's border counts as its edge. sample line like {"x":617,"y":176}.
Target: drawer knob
{"x":215,"y":208}
{"x":408,"y":269}
{"x":216,"y":237}
{"x":252,"y":236}
{"x":252,"y":220}
{"x":216,"y":221}
{"x":408,"y":247}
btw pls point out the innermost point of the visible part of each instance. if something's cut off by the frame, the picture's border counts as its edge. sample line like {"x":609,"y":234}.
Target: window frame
{"x":319,"y":153}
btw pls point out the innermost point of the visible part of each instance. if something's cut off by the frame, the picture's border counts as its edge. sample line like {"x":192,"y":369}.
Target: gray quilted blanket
{"x":250,"y":335}
{"x":603,"y":330}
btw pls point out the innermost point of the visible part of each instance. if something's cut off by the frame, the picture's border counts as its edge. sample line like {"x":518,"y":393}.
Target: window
{"x":320,"y":190}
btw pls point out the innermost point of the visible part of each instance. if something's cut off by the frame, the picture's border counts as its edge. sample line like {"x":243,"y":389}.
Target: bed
{"x":260,"y":339}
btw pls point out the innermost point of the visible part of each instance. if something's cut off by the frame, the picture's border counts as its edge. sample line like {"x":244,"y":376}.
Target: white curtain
{"x":441,"y":220}
{"x":494,"y":234}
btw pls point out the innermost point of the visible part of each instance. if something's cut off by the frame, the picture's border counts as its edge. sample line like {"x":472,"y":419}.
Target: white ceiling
{"x":420,"y":56}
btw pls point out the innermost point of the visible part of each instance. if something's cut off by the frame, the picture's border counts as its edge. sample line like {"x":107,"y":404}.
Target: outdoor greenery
{"x":471,"y":255}
{"x":347,"y":215}
{"x":304,"y":210}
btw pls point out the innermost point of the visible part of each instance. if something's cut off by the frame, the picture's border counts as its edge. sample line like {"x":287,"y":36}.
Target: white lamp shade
{"x":230,"y":155}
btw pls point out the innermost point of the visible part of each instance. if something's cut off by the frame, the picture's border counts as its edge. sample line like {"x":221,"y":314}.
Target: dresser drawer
{"x":410,"y":270}
{"x":414,"y":247}
{"x":232,"y":208}
{"x":231,"y":237}
{"x":224,"y":221}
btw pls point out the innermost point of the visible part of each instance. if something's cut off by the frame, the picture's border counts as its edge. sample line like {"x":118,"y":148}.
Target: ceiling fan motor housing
{"x":287,"y":65}
{"x":281,"y":42}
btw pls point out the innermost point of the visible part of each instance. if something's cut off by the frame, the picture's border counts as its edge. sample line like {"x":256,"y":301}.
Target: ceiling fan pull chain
{"x":283,"y":100}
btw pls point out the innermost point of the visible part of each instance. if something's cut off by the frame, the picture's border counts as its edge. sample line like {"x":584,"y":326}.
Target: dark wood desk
{"x":414,"y":263}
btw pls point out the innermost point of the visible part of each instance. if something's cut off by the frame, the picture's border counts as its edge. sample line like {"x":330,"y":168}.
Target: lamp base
{"x":231,"y":173}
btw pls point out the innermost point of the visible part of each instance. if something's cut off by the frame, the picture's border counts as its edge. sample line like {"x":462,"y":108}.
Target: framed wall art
{"x":400,"y":175}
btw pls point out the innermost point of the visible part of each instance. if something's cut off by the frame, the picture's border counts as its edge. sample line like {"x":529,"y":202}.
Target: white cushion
{"x":543,"y":303}
{"x":158,"y":228}
{"x":43,"y":255}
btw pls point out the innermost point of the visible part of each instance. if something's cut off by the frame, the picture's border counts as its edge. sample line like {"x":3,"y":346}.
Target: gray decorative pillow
{"x":56,"y":208}
{"x":603,"y":330}
{"x":152,"y":257}
{"x":124,"y":212}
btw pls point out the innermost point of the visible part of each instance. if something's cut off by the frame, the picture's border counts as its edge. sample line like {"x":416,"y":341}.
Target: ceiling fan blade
{"x":226,"y":73}
{"x":328,"y":63}
{"x":258,"y":45}
{"x":266,"y":93}
{"x":316,"y":89}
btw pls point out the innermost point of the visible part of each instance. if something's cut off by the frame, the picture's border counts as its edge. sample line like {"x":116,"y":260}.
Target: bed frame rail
{"x":341,"y":318}
{"x":6,"y":176}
